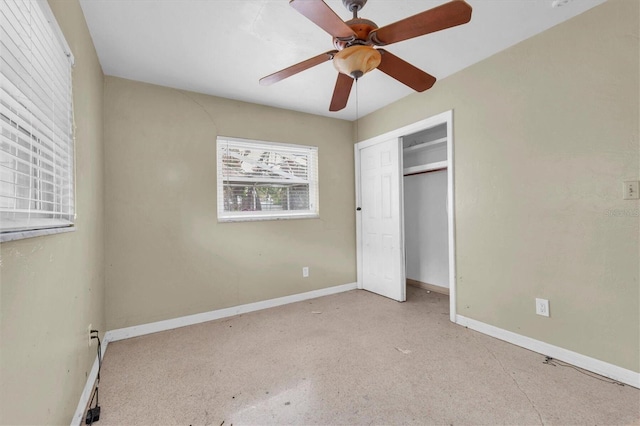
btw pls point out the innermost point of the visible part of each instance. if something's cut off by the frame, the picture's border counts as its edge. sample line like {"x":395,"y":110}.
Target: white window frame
{"x":223,"y":143}
{"x":45,"y":135}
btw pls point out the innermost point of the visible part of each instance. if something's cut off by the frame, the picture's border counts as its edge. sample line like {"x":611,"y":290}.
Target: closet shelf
{"x":424,"y":145}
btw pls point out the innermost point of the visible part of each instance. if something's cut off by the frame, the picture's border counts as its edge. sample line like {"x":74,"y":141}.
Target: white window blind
{"x":264,"y":180}
{"x":36,"y":144}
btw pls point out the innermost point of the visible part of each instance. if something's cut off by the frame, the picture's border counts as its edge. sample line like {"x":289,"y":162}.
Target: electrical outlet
{"x":542,"y":307}
{"x":305,"y":272}
{"x":89,"y":334}
{"x":630,"y":189}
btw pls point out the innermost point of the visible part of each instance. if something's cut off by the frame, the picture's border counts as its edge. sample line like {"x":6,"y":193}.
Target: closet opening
{"x":426,"y":219}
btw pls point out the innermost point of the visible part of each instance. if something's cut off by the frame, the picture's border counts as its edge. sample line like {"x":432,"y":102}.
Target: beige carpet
{"x":351,"y":358}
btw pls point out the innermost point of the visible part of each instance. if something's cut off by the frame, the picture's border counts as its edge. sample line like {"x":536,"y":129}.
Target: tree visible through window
{"x":261,"y":180}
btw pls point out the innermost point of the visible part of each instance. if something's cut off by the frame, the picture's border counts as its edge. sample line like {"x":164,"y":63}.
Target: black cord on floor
{"x":93,"y":414}
{"x":554,"y":362}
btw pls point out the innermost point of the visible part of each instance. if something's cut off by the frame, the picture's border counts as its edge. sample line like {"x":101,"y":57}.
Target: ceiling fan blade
{"x":448,"y":15}
{"x":323,"y":16}
{"x":404,"y":72}
{"x":295,"y":69}
{"x":341,"y":92}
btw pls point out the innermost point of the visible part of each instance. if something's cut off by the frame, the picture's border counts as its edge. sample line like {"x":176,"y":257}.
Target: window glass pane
{"x":265,"y":197}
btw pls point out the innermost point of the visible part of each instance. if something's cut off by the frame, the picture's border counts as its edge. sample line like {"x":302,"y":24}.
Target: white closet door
{"x":381,"y":220}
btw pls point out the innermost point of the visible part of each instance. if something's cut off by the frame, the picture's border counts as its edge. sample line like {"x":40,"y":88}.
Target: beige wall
{"x":52,"y":287}
{"x":545,"y":134}
{"x":166,"y":254}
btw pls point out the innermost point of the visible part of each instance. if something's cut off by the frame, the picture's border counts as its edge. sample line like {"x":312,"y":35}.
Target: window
{"x":36,"y":141}
{"x":264,"y":180}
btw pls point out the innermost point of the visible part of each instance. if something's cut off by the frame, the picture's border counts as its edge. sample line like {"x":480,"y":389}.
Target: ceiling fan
{"x":357,"y":42}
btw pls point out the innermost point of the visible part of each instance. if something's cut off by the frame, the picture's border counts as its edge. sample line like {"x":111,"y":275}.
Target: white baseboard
{"x":614,"y":372}
{"x":154,"y":327}
{"x":78,"y":418}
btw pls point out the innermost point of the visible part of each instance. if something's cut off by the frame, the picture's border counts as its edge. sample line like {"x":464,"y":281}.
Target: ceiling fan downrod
{"x":354,"y":6}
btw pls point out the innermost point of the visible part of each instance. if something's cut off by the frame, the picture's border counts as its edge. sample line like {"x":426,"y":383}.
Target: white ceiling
{"x":223,"y":47}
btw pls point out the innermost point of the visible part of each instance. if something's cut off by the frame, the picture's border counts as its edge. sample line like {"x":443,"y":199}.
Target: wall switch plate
{"x":542,"y":307}
{"x":630,"y":189}
{"x":305,"y":272}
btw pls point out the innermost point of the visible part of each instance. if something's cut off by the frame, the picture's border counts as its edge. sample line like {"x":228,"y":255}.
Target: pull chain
{"x":357,"y":116}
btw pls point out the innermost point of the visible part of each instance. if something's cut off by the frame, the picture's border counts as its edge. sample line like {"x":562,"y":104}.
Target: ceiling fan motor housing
{"x":361,"y":27}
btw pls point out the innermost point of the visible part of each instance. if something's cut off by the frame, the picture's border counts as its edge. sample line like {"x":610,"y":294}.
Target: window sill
{"x":247,"y":218}
{"x":20,"y":235}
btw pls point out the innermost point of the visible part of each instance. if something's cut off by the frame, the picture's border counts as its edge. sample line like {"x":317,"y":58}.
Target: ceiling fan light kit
{"x":357,"y":42}
{"x":357,"y":60}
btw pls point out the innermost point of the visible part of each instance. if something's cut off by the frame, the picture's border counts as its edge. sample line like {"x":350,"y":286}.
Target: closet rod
{"x":426,"y":168}
{"x":426,"y":171}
